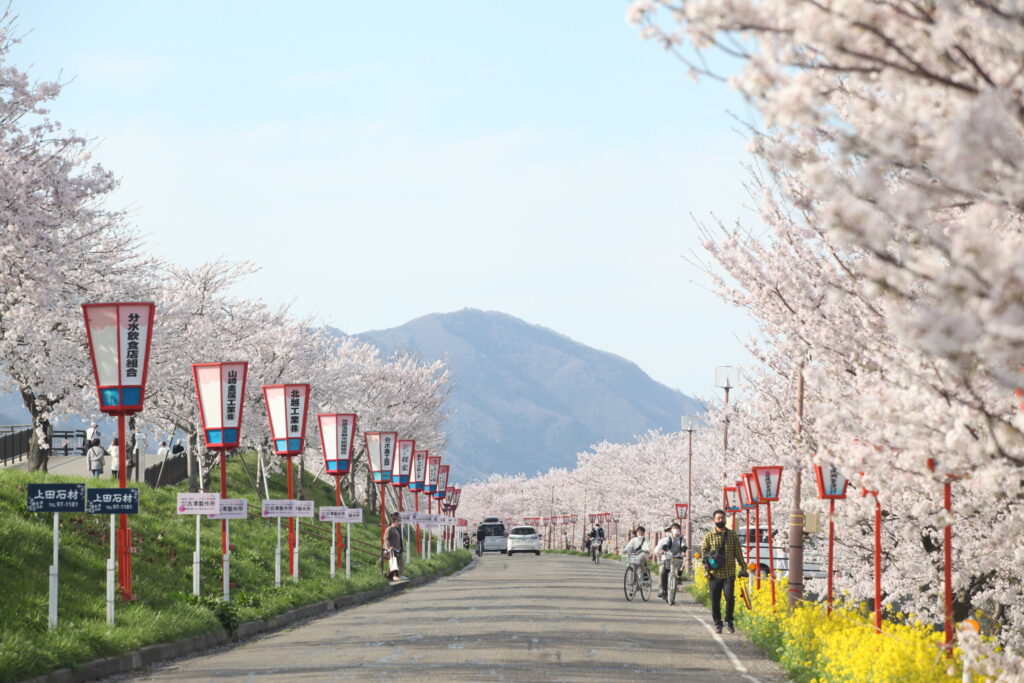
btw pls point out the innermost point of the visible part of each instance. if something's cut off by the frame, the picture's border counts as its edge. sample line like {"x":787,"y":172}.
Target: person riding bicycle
{"x":639,"y":544}
{"x":671,"y":546}
{"x":596,"y":534}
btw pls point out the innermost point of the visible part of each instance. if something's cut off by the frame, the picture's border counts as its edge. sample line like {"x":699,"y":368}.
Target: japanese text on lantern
{"x":295,"y":418}
{"x":132,"y":357}
{"x":231,"y":404}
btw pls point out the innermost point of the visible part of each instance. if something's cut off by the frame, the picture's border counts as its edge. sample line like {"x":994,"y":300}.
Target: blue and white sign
{"x":112,"y":501}
{"x":56,"y":497}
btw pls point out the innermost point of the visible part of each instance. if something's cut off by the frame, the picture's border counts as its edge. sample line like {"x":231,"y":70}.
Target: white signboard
{"x":198,"y":503}
{"x":303,"y":508}
{"x":232,"y":508}
{"x":274,"y":507}
{"x":768,"y":479}
{"x":333,"y":514}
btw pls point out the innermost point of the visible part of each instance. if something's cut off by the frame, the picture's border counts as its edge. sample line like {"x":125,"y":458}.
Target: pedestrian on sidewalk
{"x":393,"y":546}
{"x":481,"y":534}
{"x":115,"y":461}
{"x":721,"y":553}
{"x":94,"y":457}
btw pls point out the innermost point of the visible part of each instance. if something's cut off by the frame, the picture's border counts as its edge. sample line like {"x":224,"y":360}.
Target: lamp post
{"x":380,"y":446}
{"x":690,"y":423}
{"x":401,"y":470}
{"x":337,"y":432}
{"x":286,"y":411}
{"x":416,"y":479}
{"x":430,"y":487}
{"x":440,"y":492}
{"x":220,"y":391}
{"x":947,"y":552}
{"x":726,"y":377}
{"x":831,"y":487}
{"x":756,"y":502}
{"x":768,"y":480}
{"x":119,"y":336}
{"x":878,"y":553}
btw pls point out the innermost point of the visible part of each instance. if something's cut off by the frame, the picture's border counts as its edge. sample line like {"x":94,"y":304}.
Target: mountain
{"x":527,"y":398}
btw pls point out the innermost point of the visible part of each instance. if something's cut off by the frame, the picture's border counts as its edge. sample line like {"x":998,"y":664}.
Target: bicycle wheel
{"x":629,"y":583}
{"x":672,"y":588}
{"x":645,"y":584}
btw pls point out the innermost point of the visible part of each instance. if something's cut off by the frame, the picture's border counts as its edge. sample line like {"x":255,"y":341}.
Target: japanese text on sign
{"x":56,"y":497}
{"x":198,"y":503}
{"x":232,"y":508}
{"x":274,"y":507}
{"x":112,"y":501}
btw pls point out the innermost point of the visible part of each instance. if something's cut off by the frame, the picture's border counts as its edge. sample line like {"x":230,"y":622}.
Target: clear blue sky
{"x":381,"y":161}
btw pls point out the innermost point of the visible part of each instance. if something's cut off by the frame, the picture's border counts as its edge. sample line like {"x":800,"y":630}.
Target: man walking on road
{"x":393,"y":543}
{"x":721,"y":553}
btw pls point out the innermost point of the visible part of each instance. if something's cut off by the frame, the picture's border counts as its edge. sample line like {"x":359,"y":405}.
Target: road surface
{"x":524,"y":618}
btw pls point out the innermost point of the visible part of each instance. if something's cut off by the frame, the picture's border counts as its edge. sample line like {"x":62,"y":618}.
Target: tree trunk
{"x":38,"y":449}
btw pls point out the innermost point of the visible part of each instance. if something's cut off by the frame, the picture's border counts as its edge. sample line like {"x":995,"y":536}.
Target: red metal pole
{"x":831,"y":550}
{"x":878,"y":565}
{"x":419,"y":543}
{"x":383,"y":513}
{"x":771,"y":553}
{"x":124,"y":537}
{"x":746,"y":533}
{"x":223,"y":495}
{"x":948,"y":551}
{"x":291,"y":521}
{"x":757,"y":544}
{"x":339,"y":543}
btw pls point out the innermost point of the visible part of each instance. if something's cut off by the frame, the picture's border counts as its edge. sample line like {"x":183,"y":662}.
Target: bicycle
{"x":637,"y":578}
{"x":595,"y":550}
{"x":674,"y":565}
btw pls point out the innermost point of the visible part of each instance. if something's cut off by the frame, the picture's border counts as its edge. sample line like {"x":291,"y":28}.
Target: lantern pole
{"x":831,"y":550}
{"x":947,"y":549}
{"x":878,"y":565}
{"x":419,"y":541}
{"x":771,"y":552}
{"x":291,"y":520}
{"x":337,"y":527}
{"x":124,"y":538}
{"x":757,"y":542}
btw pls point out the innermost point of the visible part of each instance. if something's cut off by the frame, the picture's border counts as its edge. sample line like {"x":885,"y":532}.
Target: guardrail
{"x":14,"y":443}
{"x":167,"y":472}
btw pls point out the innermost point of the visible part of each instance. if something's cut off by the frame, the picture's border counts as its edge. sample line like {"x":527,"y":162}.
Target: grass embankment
{"x":813,"y":646}
{"x":162,"y":573}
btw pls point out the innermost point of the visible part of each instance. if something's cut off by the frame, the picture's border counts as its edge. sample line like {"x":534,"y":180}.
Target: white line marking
{"x":736,"y":663}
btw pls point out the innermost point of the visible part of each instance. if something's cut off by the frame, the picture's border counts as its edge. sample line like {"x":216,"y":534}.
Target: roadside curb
{"x":194,"y":645}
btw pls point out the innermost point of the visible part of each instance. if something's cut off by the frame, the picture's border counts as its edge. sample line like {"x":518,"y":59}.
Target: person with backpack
{"x":671,"y":546}
{"x":94,"y":457}
{"x":721,"y":553}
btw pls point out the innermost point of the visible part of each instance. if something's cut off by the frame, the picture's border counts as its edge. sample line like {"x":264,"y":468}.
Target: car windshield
{"x":493,"y":529}
{"x":524,"y":531}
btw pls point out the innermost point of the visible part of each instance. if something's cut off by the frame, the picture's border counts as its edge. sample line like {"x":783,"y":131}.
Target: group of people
{"x":96,"y":455}
{"x":720,"y":551}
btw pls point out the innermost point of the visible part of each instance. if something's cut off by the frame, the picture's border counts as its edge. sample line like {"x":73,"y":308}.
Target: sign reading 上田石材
{"x":56,"y":498}
{"x":112,"y":501}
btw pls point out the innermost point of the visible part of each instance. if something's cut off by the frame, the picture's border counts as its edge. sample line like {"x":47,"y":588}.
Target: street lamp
{"x":286,"y":411}
{"x":119,"y":336}
{"x":727,"y":377}
{"x":400,"y":472}
{"x":755,"y":500}
{"x":380,"y":446}
{"x":831,"y":487}
{"x":690,"y":424}
{"x":768,"y":480}
{"x":416,"y":479}
{"x":337,"y":437}
{"x":439,"y":494}
{"x":220,"y":390}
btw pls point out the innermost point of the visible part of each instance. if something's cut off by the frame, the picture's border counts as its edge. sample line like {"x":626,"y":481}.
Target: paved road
{"x":523,"y":618}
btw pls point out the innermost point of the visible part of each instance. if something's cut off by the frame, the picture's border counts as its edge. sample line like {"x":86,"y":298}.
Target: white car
{"x":523,"y":539}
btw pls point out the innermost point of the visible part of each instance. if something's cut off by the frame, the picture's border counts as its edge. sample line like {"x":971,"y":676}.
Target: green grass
{"x":162,"y":573}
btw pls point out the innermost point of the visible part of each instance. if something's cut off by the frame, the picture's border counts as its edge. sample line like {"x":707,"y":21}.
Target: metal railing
{"x":14,"y":443}
{"x":174,"y":472}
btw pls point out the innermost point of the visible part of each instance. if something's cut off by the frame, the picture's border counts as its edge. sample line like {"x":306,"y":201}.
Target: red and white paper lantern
{"x":380,"y":446}
{"x":286,"y":410}
{"x":337,"y":437}
{"x":220,"y":390}
{"x":768,"y":480}
{"x":119,"y":338}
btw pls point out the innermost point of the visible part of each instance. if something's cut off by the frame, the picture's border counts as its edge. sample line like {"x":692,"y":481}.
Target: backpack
{"x":716,"y":558}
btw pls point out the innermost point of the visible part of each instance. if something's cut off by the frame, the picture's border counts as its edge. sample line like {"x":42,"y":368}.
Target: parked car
{"x":523,"y":539}
{"x":494,"y":535}
{"x":814,"y":568}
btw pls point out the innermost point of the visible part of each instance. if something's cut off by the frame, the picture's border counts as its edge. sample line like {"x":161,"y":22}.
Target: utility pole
{"x":796,"y":514}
